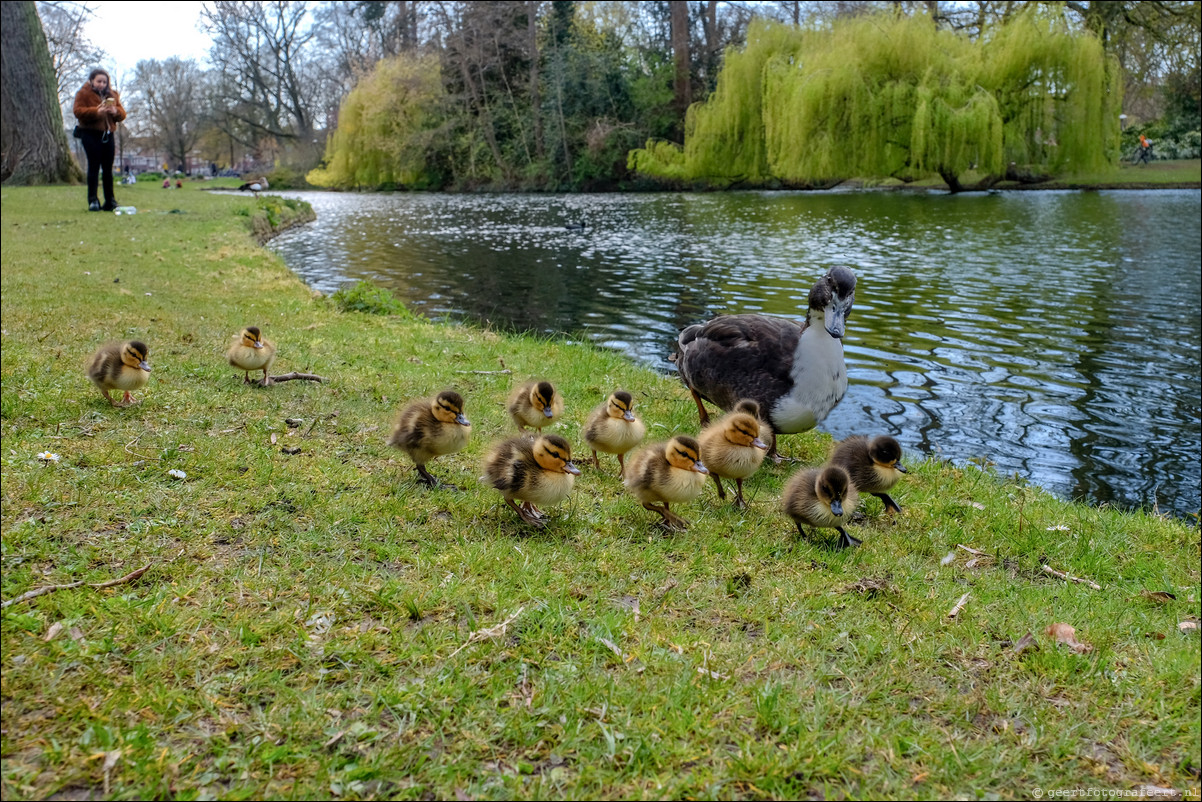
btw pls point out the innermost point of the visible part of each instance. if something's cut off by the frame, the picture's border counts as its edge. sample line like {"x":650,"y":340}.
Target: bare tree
{"x":170,"y":96}
{"x":259,"y":48}
{"x":71,"y":52}
{"x":33,"y":142}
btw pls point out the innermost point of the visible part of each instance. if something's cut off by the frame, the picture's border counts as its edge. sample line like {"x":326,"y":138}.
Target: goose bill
{"x":836,"y":318}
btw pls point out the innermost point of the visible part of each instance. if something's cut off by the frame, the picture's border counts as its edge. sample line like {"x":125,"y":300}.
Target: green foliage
{"x":387,"y":127}
{"x":894,"y":96}
{"x":284,"y":177}
{"x":363,"y":296}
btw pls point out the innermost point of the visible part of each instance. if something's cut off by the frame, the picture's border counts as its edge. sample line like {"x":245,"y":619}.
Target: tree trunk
{"x":535,"y":98}
{"x":680,"y":51}
{"x":33,"y":144}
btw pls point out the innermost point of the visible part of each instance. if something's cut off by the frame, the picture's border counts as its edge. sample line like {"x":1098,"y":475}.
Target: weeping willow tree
{"x":385,"y":128}
{"x":893,"y":96}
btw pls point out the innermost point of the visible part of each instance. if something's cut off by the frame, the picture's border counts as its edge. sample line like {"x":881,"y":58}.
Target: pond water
{"x":1055,"y":334}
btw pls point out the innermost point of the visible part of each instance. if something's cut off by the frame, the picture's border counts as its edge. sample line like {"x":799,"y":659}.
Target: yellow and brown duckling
{"x":667,"y":473}
{"x":249,"y":351}
{"x":731,"y":448}
{"x":535,"y":404}
{"x":429,"y":428}
{"x":874,"y":465}
{"x":120,"y":366}
{"x":536,"y":471}
{"x":614,"y":428}
{"x":822,"y":498}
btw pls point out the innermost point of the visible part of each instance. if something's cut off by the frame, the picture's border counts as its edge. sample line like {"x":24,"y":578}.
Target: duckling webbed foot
{"x":670,"y":519}
{"x":528,"y":513}
{"x":739,"y":502}
{"x":431,"y":481}
{"x":891,"y":506}
{"x":846,"y":540}
{"x":127,"y":401}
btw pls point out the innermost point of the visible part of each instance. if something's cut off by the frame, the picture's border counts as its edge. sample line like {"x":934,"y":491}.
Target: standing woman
{"x":98,"y":109}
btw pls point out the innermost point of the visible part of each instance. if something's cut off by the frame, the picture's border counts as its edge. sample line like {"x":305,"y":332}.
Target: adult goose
{"x":794,"y":371}
{"x":257,"y":186}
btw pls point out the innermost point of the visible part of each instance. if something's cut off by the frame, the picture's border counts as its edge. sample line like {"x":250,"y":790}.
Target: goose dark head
{"x":833,"y":297}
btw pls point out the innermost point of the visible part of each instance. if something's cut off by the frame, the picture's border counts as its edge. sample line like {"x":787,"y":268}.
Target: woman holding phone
{"x":98,"y":109}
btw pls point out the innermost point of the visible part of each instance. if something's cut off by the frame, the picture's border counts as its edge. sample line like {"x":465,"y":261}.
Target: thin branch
{"x":1069,"y":578}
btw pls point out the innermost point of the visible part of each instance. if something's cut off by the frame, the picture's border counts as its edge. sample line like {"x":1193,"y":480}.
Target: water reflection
{"x":1056,"y":334}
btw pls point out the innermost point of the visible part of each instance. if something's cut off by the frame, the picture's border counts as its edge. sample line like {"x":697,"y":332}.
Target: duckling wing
{"x":739,"y":356}
{"x":105,"y":367}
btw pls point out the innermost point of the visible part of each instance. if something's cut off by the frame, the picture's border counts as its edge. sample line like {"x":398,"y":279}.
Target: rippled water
{"x":1054,"y":333}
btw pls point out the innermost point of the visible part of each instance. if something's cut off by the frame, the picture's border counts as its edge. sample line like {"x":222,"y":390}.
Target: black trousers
{"x":101,"y":149}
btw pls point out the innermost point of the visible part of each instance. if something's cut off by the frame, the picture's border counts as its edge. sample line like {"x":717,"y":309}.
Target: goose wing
{"x":739,"y":356}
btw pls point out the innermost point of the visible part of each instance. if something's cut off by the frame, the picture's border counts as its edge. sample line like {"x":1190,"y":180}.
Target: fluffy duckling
{"x":120,"y":366}
{"x":732,"y":448}
{"x":667,"y":473}
{"x":795,"y":372}
{"x":536,"y":470}
{"x":614,"y":428}
{"x":536,"y":404}
{"x":821,"y":497}
{"x":249,"y":351}
{"x":429,"y":428}
{"x":874,"y":465}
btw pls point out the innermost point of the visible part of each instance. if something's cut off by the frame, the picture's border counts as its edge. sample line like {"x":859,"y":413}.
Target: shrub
{"x":366,"y":297}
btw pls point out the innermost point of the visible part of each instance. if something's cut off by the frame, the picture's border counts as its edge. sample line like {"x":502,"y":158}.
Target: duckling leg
{"x":718,"y":482}
{"x":890,"y":505}
{"x":596,"y":460}
{"x":846,"y":541}
{"x":127,"y":400}
{"x":705,"y":416}
{"x":246,"y":377}
{"x":432,"y":481}
{"x":525,"y":515}
{"x":621,"y":466}
{"x":739,"y":502}
{"x":266,"y":378}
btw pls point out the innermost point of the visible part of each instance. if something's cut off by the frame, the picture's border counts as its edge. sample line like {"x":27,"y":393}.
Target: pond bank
{"x":300,"y":629}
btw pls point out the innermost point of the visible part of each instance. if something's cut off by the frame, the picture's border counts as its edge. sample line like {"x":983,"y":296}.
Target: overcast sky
{"x":132,"y":31}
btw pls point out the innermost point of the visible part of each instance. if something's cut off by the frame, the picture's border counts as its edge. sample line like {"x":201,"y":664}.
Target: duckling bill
{"x":821,"y":498}
{"x":120,"y":366}
{"x":429,"y":428}
{"x":535,"y":471}
{"x":874,"y":465}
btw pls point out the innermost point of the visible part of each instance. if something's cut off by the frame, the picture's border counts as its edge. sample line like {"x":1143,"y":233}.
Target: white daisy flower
{"x":47,"y":456}
{"x":178,"y":474}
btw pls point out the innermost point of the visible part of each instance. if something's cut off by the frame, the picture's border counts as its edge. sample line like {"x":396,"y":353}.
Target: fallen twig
{"x":42,"y":591}
{"x":1070,"y":578}
{"x":287,"y":377}
{"x":505,"y":372}
{"x":971,"y":550}
{"x":491,"y":632}
{"x":955,"y":611}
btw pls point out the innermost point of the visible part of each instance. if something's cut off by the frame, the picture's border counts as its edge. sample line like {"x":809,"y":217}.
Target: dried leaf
{"x":948,"y":559}
{"x":1158,"y":596}
{"x":705,"y":672}
{"x":1154,"y":635}
{"x":977,"y":505}
{"x":971,"y":550}
{"x":273,"y":438}
{"x":53,"y":632}
{"x":955,"y":611}
{"x":613,"y":647}
{"x":630,"y":603}
{"x":1026,"y":642}
{"x":1188,"y":626}
{"x":1064,"y":633}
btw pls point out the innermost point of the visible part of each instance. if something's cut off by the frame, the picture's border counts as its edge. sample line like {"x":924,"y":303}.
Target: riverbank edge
{"x":103,"y":506}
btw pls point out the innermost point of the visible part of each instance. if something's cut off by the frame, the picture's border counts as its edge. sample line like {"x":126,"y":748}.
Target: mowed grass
{"x":319,"y":624}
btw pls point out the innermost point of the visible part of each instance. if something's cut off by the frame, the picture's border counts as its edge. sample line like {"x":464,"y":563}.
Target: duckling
{"x":874,"y":465}
{"x":614,"y":428}
{"x":821,"y":497}
{"x":752,"y":408}
{"x":795,"y":372}
{"x":536,"y":404}
{"x":732,"y":448}
{"x":669,"y":473}
{"x":120,"y":366}
{"x":249,"y":351}
{"x":429,"y":428}
{"x":536,"y":470}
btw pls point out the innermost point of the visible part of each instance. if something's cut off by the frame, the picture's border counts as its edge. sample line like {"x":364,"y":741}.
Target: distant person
{"x":98,"y":109}
{"x":166,"y":183}
{"x":1144,"y":154}
{"x":179,"y":183}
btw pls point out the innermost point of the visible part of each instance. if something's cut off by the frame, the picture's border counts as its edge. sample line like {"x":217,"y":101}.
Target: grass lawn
{"x":316,"y":623}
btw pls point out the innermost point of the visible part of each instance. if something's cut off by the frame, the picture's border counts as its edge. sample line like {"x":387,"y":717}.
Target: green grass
{"x":302,"y":630}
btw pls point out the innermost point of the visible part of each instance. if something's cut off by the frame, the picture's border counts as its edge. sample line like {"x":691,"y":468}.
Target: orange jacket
{"x":87,"y":109}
